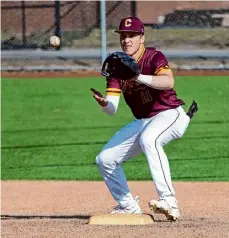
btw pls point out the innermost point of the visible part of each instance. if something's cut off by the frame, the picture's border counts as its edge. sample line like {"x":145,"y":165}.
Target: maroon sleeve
{"x":113,"y":87}
{"x":112,"y":83}
{"x":158,"y":62}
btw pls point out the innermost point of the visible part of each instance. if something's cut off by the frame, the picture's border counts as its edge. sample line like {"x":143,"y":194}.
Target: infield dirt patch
{"x":63,"y":209}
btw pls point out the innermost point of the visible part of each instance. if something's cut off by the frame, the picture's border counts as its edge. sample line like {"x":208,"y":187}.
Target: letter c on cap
{"x":128,"y":22}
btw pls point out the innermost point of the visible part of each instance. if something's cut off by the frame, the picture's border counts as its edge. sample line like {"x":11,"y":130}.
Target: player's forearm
{"x":160,"y":82}
{"x":112,"y":106}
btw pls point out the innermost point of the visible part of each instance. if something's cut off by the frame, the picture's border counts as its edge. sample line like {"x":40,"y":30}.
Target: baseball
{"x":54,"y":41}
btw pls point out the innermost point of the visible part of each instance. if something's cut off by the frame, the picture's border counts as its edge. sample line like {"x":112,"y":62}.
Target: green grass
{"x":53,"y":129}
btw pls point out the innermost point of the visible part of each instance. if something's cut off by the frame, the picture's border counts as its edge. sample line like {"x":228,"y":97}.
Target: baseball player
{"x":146,"y":81}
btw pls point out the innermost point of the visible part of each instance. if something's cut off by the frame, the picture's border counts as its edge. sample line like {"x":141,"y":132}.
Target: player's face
{"x":131,"y":42}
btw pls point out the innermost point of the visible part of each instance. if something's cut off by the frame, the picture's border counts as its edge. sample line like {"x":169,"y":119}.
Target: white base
{"x":121,"y":219}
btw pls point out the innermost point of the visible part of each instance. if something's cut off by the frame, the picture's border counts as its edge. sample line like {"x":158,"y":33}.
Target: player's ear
{"x":142,"y":40}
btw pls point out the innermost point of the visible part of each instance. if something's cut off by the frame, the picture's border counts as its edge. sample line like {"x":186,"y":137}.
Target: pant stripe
{"x":158,"y":151}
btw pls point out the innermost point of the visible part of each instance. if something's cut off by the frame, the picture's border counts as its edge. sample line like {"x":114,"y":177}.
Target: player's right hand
{"x":99,"y":98}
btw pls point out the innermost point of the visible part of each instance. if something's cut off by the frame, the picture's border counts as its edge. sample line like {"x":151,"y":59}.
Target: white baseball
{"x":54,"y":41}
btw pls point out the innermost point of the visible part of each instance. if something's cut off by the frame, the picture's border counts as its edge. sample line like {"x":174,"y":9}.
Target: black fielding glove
{"x":121,"y":66}
{"x":192,"y":109}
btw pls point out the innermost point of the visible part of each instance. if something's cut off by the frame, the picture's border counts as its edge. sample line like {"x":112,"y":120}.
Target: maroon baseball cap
{"x":131,"y":24}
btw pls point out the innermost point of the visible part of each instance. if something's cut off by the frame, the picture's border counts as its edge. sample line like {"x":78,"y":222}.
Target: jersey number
{"x":146,"y":97}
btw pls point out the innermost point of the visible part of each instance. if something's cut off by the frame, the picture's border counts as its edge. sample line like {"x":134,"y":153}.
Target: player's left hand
{"x":99,"y":98}
{"x":119,"y":65}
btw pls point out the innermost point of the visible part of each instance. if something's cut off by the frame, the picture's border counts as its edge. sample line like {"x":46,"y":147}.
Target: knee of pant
{"x":105,"y":159}
{"x":148,"y":142}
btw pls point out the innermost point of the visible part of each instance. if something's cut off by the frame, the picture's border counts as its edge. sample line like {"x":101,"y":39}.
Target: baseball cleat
{"x":133,"y":209}
{"x":170,"y":210}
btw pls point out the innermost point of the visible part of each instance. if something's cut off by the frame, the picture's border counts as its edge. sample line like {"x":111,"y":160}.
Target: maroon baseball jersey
{"x":143,"y":100}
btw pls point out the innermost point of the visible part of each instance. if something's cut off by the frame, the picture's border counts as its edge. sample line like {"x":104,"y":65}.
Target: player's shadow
{"x":22,"y":217}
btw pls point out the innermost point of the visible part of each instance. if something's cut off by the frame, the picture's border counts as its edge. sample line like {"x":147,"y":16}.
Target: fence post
{"x":57,"y":20}
{"x":98,"y":17}
{"x":23,"y":23}
{"x":103,"y":29}
{"x":133,"y":8}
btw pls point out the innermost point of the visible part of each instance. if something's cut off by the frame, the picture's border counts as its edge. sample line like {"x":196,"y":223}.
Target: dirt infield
{"x":96,"y":74}
{"x":62,"y":209}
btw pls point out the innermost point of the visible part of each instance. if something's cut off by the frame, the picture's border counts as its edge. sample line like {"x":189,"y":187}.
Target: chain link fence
{"x":28,"y":25}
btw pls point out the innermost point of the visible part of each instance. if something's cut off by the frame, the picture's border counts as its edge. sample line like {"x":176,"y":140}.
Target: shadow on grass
{"x":52,"y":166}
{"x":133,"y":161}
{"x":201,"y":178}
{"x":205,"y":137}
{"x":103,"y":142}
{"x":210,"y":122}
{"x":54,"y":145}
{"x":95,"y":127}
{"x":63,"y":129}
{"x":218,"y":157}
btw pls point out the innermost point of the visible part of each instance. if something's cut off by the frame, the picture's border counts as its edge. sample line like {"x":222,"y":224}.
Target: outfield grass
{"x":53,"y":129}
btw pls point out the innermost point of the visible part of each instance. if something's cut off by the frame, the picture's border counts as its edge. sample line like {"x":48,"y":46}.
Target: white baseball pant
{"x":142,"y":135}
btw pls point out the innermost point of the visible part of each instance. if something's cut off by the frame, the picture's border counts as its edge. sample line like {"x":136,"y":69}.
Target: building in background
{"x":39,"y":16}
